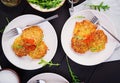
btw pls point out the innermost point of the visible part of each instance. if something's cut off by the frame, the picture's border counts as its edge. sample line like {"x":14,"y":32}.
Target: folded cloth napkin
{"x":113,"y":13}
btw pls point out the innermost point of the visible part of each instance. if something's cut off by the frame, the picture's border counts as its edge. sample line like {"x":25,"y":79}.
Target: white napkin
{"x":113,"y":13}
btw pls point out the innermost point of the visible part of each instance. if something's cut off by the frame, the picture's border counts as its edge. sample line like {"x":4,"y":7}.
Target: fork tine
{"x":94,"y":19}
{"x":11,"y":32}
{"x":12,"y":35}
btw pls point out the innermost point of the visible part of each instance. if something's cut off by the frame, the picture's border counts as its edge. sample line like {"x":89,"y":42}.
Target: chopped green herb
{"x":50,"y":64}
{"x":17,"y":46}
{"x":7,"y":20}
{"x":99,"y":6}
{"x":93,"y":49}
{"x":73,"y":76}
{"x":46,"y":4}
{"x":79,"y":37}
{"x":79,"y":17}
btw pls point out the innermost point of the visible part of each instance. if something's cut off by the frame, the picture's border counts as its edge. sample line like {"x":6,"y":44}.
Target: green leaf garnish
{"x":72,"y":74}
{"x":79,"y":17}
{"x":7,"y":20}
{"x":99,"y":6}
{"x":50,"y":64}
{"x":46,"y":4}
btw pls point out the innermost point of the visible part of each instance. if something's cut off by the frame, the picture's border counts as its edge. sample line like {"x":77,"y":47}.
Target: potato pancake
{"x":98,"y":42}
{"x":18,"y":47}
{"x":30,"y":43}
{"x":84,"y":29}
{"x":39,"y":51}
{"x":79,"y":46}
{"x":87,"y":37}
{"x":81,"y":32}
{"x":33,"y":32}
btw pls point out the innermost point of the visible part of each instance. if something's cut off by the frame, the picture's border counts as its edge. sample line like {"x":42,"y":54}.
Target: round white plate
{"x":89,"y":58}
{"x":50,"y":38}
{"x":49,"y":78}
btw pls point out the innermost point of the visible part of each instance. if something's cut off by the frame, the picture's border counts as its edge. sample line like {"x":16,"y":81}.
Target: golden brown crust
{"x":87,"y":37}
{"x":81,"y":32}
{"x":18,"y":47}
{"x":98,"y":42}
{"x":84,"y":28}
{"x":79,"y":46}
{"x":39,"y":51}
{"x":33,"y":32}
{"x":30,"y":43}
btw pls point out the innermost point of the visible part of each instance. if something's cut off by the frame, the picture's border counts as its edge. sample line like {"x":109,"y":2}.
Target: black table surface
{"x":108,"y":72}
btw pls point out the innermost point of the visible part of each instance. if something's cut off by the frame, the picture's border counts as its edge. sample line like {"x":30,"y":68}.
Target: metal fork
{"x":71,"y":8}
{"x":95,"y":20}
{"x":17,"y":30}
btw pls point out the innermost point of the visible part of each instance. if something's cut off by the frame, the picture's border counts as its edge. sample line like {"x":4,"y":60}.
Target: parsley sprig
{"x":79,"y":17}
{"x":99,"y":6}
{"x":7,"y":20}
{"x":72,"y":74}
{"x":50,"y":64}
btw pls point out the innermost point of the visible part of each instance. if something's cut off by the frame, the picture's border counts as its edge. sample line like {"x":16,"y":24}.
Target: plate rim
{"x":115,"y":32}
{"x":19,"y":17}
{"x":37,"y":75}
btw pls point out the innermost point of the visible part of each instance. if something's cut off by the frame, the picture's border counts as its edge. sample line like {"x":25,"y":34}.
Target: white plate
{"x":49,"y":78}
{"x":50,"y":38}
{"x":89,"y":58}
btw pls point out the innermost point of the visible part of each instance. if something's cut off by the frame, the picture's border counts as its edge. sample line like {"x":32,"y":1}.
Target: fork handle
{"x":110,"y":33}
{"x":47,"y":19}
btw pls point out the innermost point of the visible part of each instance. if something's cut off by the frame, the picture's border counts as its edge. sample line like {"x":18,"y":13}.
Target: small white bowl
{"x":9,"y":76}
{"x":46,"y":10}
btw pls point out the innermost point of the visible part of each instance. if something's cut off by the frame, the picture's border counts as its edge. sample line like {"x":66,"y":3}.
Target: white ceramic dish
{"x":50,"y":38}
{"x":46,"y":10}
{"x":11,"y":75}
{"x":89,"y":58}
{"x":49,"y":78}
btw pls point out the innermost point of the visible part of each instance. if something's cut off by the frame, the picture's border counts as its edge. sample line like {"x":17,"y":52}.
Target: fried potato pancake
{"x":18,"y":47}
{"x":98,"y":42}
{"x":81,"y":32}
{"x":30,"y":43}
{"x":39,"y":51}
{"x":84,"y":29}
{"x":79,"y":46}
{"x":87,"y":37}
{"x":33,"y":32}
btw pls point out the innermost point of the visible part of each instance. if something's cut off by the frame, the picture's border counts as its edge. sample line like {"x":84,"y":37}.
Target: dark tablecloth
{"x":102,"y":73}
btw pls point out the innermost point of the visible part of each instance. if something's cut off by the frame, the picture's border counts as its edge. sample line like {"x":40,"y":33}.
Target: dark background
{"x":103,"y":73}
